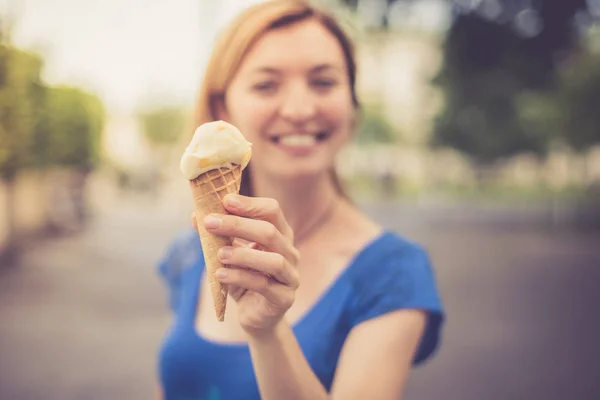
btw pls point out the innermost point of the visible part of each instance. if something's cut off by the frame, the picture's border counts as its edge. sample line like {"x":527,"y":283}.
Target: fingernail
{"x":212,"y":222}
{"x":221,"y":273}
{"x":224,"y":253}
{"x":234,"y":201}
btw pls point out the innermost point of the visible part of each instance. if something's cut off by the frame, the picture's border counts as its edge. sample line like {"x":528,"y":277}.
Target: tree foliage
{"x":70,"y":128}
{"x":21,"y":100}
{"x":503,"y":76}
{"x":493,"y":70}
{"x":578,"y":100}
{"x":42,"y":125}
{"x":162,"y":125}
{"x":374,"y":127}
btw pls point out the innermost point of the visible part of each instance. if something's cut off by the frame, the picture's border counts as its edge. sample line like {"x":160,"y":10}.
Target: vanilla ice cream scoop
{"x":216,"y":144}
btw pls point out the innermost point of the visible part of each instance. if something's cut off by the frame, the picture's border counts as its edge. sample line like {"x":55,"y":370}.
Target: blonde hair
{"x":235,"y":42}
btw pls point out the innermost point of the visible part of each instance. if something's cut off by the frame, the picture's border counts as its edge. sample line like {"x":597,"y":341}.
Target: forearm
{"x":281,"y":369}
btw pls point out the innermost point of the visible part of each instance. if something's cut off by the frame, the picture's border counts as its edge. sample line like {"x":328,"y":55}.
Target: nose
{"x":298,"y":105}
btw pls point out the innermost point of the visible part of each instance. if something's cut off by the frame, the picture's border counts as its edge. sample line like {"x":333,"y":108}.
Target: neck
{"x":306,"y":205}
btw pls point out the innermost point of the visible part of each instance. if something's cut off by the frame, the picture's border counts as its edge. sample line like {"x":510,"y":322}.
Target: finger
{"x":273,"y":264}
{"x":252,"y":230}
{"x":273,"y":291}
{"x":264,"y":208}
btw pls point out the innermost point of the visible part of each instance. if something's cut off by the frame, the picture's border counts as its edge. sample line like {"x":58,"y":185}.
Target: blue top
{"x":388,"y":274}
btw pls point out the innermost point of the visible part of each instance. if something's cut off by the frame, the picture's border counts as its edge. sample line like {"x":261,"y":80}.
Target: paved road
{"x":83,"y":316}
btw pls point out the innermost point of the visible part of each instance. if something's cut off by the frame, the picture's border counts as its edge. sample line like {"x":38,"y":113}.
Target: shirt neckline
{"x":357,"y":259}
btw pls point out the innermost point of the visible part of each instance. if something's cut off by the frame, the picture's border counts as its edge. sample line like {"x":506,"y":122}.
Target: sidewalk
{"x":82,"y":316}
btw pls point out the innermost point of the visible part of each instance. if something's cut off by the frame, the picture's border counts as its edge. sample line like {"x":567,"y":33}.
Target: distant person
{"x":349,"y":306}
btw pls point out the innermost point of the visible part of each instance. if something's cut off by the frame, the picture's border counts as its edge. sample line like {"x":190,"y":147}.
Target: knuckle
{"x":236,"y":225}
{"x":272,"y":205}
{"x":252,"y":210}
{"x":279,"y":264}
{"x":270,"y":234}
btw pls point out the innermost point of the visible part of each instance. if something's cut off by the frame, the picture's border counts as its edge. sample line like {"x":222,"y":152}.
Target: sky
{"x":124,"y":50}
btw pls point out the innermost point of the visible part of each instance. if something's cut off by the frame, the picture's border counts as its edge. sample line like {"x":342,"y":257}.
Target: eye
{"x":265,"y":87}
{"x":323,"y":83}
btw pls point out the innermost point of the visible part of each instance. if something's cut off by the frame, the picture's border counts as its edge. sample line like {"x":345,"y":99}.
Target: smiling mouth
{"x":300,"y":140}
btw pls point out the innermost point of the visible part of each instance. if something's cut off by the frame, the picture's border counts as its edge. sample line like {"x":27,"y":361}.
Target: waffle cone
{"x":208,"y":191}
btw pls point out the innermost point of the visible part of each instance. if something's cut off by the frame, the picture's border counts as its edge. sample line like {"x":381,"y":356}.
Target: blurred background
{"x":480,"y":138}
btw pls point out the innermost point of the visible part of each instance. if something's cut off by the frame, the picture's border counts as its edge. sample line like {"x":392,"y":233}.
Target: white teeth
{"x":298,"y":140}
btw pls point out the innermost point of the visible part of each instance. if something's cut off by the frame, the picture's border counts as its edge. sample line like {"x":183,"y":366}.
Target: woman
{"x":327,"y":304}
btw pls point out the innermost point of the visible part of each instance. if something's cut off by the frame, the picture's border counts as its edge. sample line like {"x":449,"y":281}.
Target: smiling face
{"x":291,"y":97}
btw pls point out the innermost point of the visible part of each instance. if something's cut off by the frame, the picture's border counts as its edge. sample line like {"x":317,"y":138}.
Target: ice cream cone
{"x":213,"y":163}
{"x":208,"y":191}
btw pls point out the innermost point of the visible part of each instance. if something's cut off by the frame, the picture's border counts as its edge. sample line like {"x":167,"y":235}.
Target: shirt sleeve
{"x":403,"y":279}
{"x":183,"y":252}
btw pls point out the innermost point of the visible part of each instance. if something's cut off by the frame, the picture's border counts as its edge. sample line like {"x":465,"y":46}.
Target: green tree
{"x":21,"y":100}
{"x":69,"y":135}
{"x":374,"y":127}
{"x":579,"y":102}
{"x":497,"y":59}
{"x":41,"y":125}
{"x":486,"y":67}
{"x":500,"y":79}
{"x":70,"y":128}
{"x":21,"y":97}
{"x":162,"y":125}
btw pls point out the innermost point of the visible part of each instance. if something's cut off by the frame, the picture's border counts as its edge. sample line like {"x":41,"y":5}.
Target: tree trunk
{"x":484,"y":175}
{"x":585,"y":171}
{"x":8,"y":255}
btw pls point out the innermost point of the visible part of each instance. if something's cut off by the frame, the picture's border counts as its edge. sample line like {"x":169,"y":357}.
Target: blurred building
{"x":396,"y":67}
